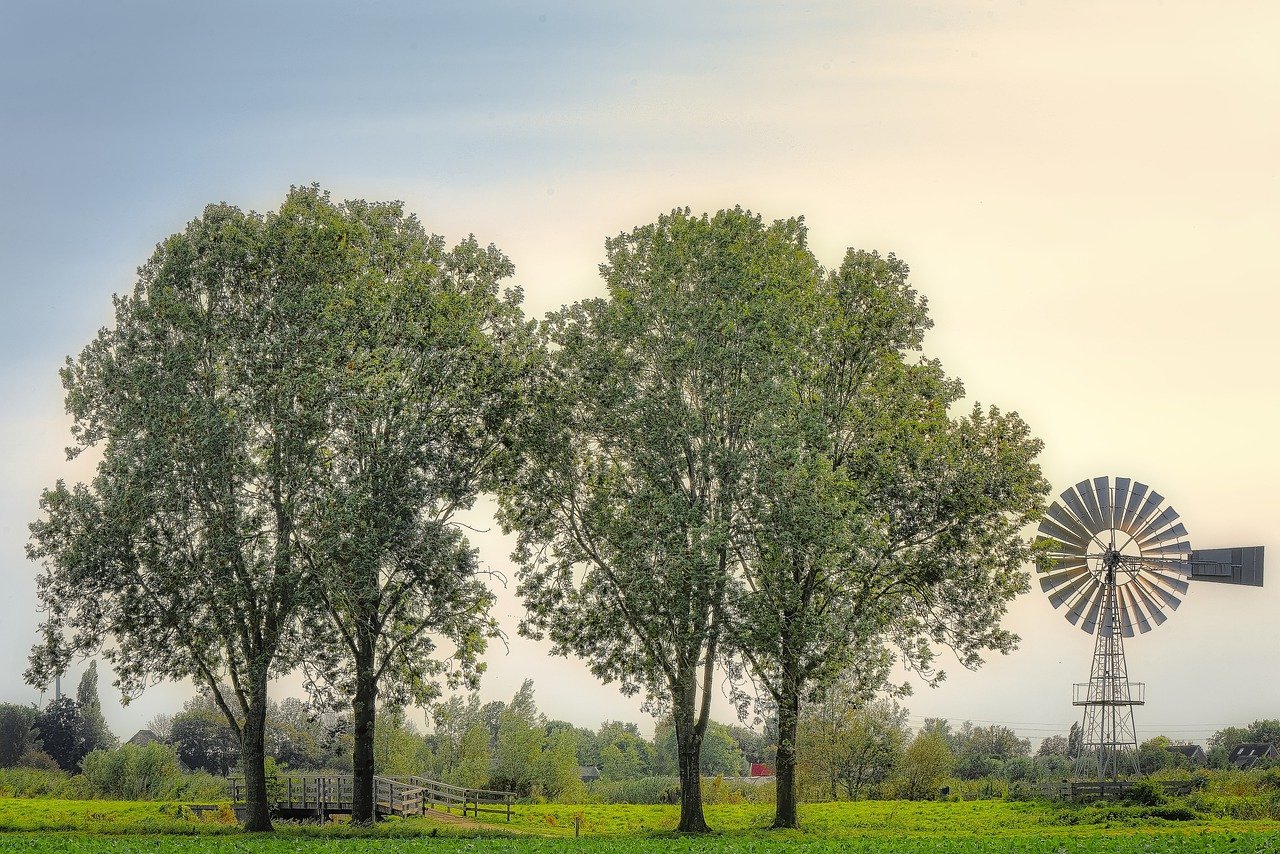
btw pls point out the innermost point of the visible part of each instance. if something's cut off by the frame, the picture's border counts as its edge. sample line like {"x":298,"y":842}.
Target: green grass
{"x":890,"y":827}
{"x":884,"y":819}
{"x":49,"y":814}
{"x":1109,"y":844}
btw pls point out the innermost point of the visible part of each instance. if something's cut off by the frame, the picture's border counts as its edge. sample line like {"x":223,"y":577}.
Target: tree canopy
{"x":636,"y":459}
{"x":428,"y":378}
{"x":878,"y":526}
{"x":290,"y":408}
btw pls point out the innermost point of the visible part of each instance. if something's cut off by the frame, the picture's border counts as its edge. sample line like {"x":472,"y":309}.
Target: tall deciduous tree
{"x":207,"y":399}
{"x":60,"y":727}
{"x":846,"y":747}
{"x":430,"y":379}
{"x":634,"y":468}
{"x":17,"y":733}
{"x":925,"y":764}
{"x":521,"y":734}
{"x":878,"y":524}
{"x":97,"y":736}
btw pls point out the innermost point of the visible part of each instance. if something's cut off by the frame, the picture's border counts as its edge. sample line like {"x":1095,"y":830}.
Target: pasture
{"x":891,"y":827}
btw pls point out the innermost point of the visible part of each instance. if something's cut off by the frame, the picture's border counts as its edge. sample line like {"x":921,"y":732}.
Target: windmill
{"x":1121,"y":562}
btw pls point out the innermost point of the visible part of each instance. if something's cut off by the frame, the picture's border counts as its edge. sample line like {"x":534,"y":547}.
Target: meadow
{"x":891,"y":827}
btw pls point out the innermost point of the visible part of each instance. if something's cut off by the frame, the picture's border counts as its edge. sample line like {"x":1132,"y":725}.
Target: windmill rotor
{"x":1123,"y":537}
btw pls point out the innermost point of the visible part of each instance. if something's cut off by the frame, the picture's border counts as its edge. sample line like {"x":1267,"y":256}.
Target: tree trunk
{"x":363,"y":708}
{"x":788,"y":718}
{"x":253,"y":754}
{"x":688,"y":754}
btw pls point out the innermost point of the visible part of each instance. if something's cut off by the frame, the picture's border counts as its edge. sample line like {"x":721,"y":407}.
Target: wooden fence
{"x":319,"y":795}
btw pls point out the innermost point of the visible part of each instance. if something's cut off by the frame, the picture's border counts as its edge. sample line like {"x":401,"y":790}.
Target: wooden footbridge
{"x":301,"y":796}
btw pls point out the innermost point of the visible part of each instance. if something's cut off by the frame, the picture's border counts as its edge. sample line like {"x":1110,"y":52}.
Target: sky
{"x":1088,"y":194}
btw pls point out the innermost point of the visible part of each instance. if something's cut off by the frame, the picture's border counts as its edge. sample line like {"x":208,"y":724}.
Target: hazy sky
{"x":1087,"y":192}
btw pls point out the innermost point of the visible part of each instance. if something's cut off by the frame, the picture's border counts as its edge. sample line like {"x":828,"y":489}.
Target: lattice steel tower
{"x":1120,"y":557}
{"x":1109,"y":742}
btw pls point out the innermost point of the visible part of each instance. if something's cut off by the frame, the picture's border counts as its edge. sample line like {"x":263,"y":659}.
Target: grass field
{"x":1049,"y":844}
{"x":891,"y":827}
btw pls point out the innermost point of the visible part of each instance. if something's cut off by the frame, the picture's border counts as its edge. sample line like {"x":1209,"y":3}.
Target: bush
{"x":132,"y":772}
{"x":982,"y":789}
{"x":717,"y":791}
{"x":77,"y":788}
{"x":637,"y":790}
{"x":37,"y":759}
{"x":198,"y":787}
{"x":1146,"y":792}
{"x":30,"y":782}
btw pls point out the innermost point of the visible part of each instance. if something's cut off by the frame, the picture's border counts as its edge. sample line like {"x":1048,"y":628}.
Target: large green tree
{"x":634,"y":466}
{"x":97,"y":735}
{"x":207,"y":399}
{"x":520,"y":738}
{"x":430,"y":380}
{"x":60,"y":727}
{"x":17,"y":733}
{"x":846,"y":746}
{"x":878,"y":525}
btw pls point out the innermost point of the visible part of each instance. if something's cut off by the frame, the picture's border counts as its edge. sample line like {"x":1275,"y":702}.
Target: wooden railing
{"x":1094,"y":789}
{"x":403,"y":796}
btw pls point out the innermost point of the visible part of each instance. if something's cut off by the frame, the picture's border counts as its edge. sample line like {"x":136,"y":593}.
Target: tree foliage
{"x":202,"y":738}
{"x":926,"y":762}
{"x":396,"y":743}
{"x":97,"y":735}
{"x":60,"y":727}
{"x":207,"y":400}
{"x":846,"y":748}
{"x":626,"y":502}
{"x":17,"y":733}
{"x":985,"y":751}
{"x":521,"y":734}
{"x":722,"y":753}
{"x":1262,"y":731}
{"x":1054,"y":745}
{"x":434,"y":358}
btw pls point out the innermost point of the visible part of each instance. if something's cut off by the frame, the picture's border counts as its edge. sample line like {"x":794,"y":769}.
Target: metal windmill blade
{"x":1122,"y":536}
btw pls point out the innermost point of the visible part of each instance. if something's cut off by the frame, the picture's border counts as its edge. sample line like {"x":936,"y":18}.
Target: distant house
{"x":1193,"y":752}
{"x":588,"y":773}
{"x":759,"y":769}
{"x":1250,"y":753}
{"x":143,"y":737}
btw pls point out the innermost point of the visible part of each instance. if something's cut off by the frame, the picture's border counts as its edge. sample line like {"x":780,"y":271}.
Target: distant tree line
{"x":59,"y":735}
{"x":507,"y":745}
{"x":848,"y":748}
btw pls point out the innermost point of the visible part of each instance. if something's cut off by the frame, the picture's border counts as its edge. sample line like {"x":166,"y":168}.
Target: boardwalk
{"x":322,"y":795}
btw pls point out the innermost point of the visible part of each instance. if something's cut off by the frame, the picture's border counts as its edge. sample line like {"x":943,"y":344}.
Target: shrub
{"x":30,"y":782}
{"x":198,"y":787}
{"x":638,"y":790}
{"x":716,"y":791}
{"x":132,"y":772}
{"x":37,"y":759}
{"x":77,"y":788}
{"x":1146,"y":792}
